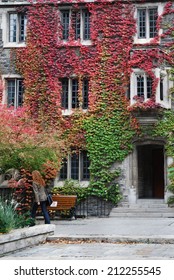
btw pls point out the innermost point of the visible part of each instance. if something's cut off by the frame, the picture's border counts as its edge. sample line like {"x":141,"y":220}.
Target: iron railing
{"x":91,"y":206}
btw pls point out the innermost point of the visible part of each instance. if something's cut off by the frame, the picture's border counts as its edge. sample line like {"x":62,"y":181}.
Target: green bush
{"x":28,"y":157}
{"x":10,"y":219}
{"x":170,"y":200}
{"x":72,"y":187}
{"x":7,"y":217}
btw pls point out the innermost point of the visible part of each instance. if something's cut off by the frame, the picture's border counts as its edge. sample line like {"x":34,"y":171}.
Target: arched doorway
{"x":150,"y":171}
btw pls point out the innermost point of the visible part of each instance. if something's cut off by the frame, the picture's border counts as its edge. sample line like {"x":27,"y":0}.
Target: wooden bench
{"x":64,"y":203}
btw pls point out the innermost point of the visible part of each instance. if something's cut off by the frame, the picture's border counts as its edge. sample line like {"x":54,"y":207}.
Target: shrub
{"x":7,"y":217}
{"x":10,"y":219}
{"x":72,"y":187}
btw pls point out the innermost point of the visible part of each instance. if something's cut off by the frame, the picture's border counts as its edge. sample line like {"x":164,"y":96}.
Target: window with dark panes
{"x":149,"y":87}
{"x":15,"y":92}
{"x":85,"y":166}
{"x":161,"y":90}
{"x":86,"y":25}
{"x":79,"y":21}
{"x":70,"y":92}
{"x":147,"y":21}
{"x":63,"y":170}
{"x":75,"y":101}
{"x":153,"y":14}
{"x":22,"y":27}
{"x":144,"y":86}
{"x":65,"y":24}
{"x":77,"y":25}
{"x":140,"y":86}
{"x":76,"y":167}
{"x":65,"y":90}
{"x":142,"y":23}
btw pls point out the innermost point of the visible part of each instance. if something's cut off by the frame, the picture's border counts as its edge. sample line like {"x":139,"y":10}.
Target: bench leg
{"x":73,"y":213}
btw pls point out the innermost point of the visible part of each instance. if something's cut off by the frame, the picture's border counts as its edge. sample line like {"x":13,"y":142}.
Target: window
{"x":141,"y":85}
{"x":65,"y":24}
{"x":79,"y":21}
{"x":147,"y":20}
{"x":76,"y":167}
{"x":161,"y":89}
{"x":70,"y":91}
{"x":17,"y":27}
{"x":144,"y":86}
{"x":14,"y":92}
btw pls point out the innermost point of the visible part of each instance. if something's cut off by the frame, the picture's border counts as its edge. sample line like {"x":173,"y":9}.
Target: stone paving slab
{"x":115,"y":227}
{"x":96,"y":251}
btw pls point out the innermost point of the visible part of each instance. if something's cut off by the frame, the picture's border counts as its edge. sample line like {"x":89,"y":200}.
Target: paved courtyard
{"x":97,"y":251}
{"x":106,"y":238}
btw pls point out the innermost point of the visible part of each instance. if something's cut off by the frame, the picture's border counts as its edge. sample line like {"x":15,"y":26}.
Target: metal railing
{"x":94,"y":206}
{"x":91,"y":206}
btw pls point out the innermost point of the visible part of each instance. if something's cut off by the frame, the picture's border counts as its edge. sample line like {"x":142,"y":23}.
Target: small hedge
{"x":72,"y":187}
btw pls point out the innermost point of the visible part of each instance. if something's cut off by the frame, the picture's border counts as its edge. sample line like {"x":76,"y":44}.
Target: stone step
{"x":150,"y":201}
{"x":142,"y":209}
{"x":142,"y":215}
{"x":141,"y":206}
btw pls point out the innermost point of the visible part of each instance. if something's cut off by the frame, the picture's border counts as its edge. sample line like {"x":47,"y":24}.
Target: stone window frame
{"x":147,"y":7}
{"x":81,"y":38}
{"x":6,"y":29}
{"x":75,"y":167}
{"x":164,"y":83}
{"x":5,"y":79}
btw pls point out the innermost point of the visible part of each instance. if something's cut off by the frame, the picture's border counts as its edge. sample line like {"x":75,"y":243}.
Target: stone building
{"x":144,"y":171}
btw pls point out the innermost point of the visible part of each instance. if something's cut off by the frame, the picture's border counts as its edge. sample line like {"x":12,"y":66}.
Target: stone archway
{"x":150,"y":163}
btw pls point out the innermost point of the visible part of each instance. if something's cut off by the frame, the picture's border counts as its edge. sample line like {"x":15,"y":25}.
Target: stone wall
{"x":25,"y":237}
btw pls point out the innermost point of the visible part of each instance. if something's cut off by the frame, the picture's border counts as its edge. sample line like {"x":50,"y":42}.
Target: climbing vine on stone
{"x":106,"y":130}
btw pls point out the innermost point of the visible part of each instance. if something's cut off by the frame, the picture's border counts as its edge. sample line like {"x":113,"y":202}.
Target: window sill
{"x":60,"y":183}
{"x":14,"y":45}
{"x":74,"y":43}
{"x":68,"y":112}
{"x":146,"y":41}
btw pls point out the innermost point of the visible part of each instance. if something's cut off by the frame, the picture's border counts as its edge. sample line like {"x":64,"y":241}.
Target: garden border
{"x":25,"y":237}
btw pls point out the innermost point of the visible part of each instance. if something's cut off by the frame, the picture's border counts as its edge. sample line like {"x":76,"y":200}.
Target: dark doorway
{"x":150,"y":171}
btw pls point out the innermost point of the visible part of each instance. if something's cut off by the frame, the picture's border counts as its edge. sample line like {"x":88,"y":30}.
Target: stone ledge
{"x":24,"y":237}
{"x":153,"y":239}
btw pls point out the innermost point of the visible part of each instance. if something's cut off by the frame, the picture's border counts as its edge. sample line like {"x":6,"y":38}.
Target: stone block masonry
{"x":25,"y":237}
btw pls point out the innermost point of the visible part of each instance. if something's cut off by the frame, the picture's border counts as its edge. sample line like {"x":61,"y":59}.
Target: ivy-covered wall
{"x":108,"y":128}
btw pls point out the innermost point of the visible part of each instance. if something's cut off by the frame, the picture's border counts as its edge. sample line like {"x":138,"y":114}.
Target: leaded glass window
{"x":144,"y":86}
{"x":149,"y":87}
{"x":152,"y":22}
{"x":65,"y":24}
{"x":140,"y":86}
{"x":14,"y":92}
{"x":76,"y":167}
{"x":86,"y":25}
{"x":147,"y":23}
{"x":79,"y":21}
{"x":75,"y":101}
{"x":17,"y":27}
{"x":70,"y":93}
{"x":64,"y":101}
